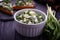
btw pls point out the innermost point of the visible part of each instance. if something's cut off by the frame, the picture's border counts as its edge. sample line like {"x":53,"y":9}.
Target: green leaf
{"x":52,"y":25}
{"x":7,"y":1}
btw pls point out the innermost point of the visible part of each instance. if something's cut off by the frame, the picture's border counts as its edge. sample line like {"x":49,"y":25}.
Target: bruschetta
{"x":5,"y":6}
{"x":23,"y":4}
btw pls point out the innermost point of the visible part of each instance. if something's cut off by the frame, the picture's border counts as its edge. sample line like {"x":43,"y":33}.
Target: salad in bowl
{"x":30,"y":22}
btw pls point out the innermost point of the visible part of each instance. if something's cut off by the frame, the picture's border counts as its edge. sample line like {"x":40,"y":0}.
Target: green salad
{"x":30,"y":17}
{"x":23,"y":2}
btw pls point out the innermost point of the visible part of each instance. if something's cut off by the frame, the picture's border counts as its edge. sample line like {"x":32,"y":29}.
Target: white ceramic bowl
{"x":30,"y":30}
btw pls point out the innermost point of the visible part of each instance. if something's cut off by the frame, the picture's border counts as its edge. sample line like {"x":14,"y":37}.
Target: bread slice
{"x":3,"y":9}
{"x":6,"y":8}
{"x":22,"y":7}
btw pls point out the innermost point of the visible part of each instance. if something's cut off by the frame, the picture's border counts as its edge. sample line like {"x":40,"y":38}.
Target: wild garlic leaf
{"x":7,"y":1}
{"x":52,"y":25}
{"x":29,"y":0}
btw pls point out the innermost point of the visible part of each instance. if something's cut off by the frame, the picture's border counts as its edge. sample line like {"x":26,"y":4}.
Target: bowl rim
{"x":31,"y":9}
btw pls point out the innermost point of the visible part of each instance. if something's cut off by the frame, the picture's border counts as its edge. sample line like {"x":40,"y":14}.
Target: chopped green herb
{"x":7,"y":1}
{"x":29,"y":17}
{"x":23,"y":2}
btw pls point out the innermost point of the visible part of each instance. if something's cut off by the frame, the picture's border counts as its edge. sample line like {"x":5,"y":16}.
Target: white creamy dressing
{"x":1,"y":0}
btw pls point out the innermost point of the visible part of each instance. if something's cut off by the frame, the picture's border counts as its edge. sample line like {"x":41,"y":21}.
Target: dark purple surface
{"x":7,"y":29}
